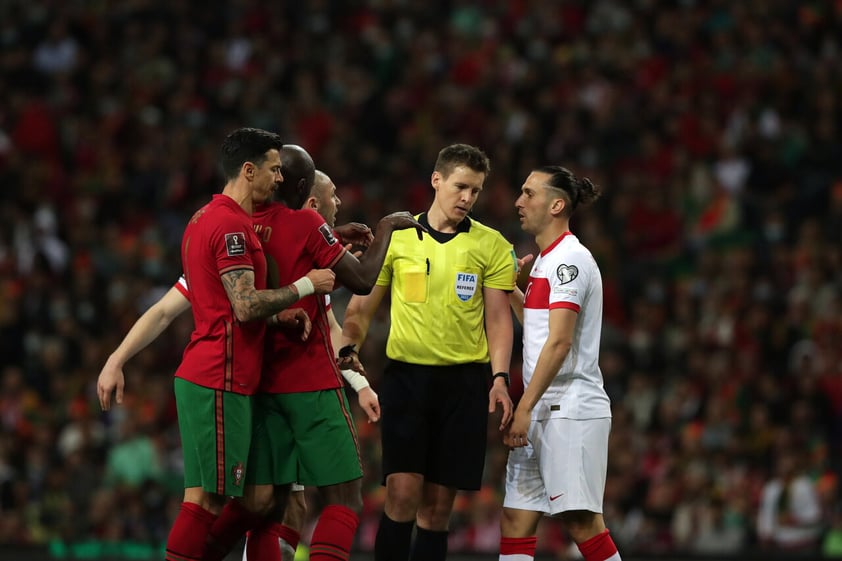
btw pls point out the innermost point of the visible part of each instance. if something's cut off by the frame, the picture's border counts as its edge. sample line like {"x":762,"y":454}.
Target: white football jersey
{"x":565,"y":275}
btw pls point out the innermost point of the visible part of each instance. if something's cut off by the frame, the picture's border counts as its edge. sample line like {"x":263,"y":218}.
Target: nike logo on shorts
{"x":554,"y":497}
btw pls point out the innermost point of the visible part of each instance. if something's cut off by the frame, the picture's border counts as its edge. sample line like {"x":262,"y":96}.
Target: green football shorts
{"x":306,"y":437}
{"x":215,"y":428}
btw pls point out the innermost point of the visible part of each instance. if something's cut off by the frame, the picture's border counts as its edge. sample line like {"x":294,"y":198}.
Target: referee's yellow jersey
{"x":437,"y":311}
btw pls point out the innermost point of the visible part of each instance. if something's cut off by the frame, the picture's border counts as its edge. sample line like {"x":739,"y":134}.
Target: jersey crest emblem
{"x":567,"y":273}
{"x":327,"y":233}
{"x":237,"y":473}
{"x":235,"y":244}
{"x":466,"y":286}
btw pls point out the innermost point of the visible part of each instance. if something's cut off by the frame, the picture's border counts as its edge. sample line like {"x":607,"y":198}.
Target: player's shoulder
{"x":487,"y":235}
{"x":219,"y":216}
{"x":480,"y":229}
{"x":573,"y":250}
{"x":306,"y":215}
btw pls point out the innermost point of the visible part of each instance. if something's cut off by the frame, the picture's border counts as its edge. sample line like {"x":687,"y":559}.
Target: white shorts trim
{"x":295,"y":487}
{"x":563,"y":468}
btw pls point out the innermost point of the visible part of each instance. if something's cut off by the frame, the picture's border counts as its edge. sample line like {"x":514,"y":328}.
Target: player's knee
{"x":517,"y":523}
{"x":347,"y":494}
{"x":296,"y":511}
{"x":259,"y":499}
{"x":582,"y":524}
{"x":434,"y":517}
{"x":404,"y":492}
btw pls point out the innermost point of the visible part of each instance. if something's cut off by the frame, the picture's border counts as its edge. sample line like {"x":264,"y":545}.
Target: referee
{"x":450,"y":316}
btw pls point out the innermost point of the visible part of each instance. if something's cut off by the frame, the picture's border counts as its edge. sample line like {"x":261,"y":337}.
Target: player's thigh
{"x":272,"y":459}
{"x":525,"y":488}
{"x":325,"y":437}
{"x":456,"y":456}
{"x":215,"y":429}
{"x":573,"y":460}
{"x":405,"y":431}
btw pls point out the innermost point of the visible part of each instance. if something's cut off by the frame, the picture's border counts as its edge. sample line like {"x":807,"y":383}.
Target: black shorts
{"x":434,"y":422}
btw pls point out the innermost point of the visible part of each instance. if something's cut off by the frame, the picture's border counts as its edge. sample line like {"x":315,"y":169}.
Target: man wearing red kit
{"x":225,"y":270}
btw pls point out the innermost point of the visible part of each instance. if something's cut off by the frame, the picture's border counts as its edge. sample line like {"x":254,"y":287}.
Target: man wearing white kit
{"x":559,"y":436}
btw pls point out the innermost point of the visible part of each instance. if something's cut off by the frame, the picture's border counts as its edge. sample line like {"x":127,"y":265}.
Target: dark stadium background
{"x":713,"y":127}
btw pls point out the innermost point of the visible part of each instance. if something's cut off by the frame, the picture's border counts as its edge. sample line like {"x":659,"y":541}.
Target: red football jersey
{"x":295,"y":242}
{"x":223,"y":353}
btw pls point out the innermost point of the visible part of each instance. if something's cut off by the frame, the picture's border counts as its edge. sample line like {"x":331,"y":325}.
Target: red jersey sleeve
{"x":322,"y":242}
{"x":230,"y":244}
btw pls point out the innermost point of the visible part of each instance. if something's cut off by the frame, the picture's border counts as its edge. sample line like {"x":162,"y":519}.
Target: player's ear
{"x":248,"y":170}
{"x":557,"y":206}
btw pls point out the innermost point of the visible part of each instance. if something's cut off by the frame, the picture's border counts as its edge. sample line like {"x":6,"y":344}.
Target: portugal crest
{"x":237,"y":472}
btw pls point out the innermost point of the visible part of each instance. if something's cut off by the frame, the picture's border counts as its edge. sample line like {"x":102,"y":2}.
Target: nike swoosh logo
{"x":554,"y":497}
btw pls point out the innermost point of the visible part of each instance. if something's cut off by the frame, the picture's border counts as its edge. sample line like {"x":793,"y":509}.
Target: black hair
{"x":246,"y":145}
{"x":575,"y":191}
{"x":462,"y":155}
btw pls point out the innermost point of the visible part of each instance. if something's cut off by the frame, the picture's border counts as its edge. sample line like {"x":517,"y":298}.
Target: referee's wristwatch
{"x":504,"y":375}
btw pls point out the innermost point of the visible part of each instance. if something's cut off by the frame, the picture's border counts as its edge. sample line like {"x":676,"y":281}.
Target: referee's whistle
{"x":428,"y":266}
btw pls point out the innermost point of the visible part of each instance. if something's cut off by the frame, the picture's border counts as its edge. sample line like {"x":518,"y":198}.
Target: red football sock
{"x":599,"y":548}
{"x":189,"y":532}
{"x":518,"y":548}
{"x":262,"y":543}
{"x":334,"y":534}
{"x":230,"y":526}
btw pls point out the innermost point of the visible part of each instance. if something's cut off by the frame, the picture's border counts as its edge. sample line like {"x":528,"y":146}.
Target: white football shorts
{"x":562,"y":468}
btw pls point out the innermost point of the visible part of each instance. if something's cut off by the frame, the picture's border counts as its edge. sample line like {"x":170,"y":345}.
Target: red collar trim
{"x":555,"y":243}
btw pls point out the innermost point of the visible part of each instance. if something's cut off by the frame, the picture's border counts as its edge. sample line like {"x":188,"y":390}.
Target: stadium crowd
{"x":714,"y":128}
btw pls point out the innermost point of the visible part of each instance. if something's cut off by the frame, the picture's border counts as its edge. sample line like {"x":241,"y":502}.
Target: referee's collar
{"x":464,"y":226}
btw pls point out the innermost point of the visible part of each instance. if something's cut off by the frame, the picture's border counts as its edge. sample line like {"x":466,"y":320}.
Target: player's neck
{"x":551,"y":233}
{"x":241,"y":194}
{"x":439,"y":222}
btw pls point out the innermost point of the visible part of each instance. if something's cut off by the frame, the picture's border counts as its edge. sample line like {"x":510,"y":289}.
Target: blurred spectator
{"x":789,"y":516}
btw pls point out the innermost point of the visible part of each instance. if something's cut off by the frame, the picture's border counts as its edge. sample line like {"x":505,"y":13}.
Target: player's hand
{"x":525,"y":260}
{"x":370,"y":404}
{"x":354,"y":233}
{"x":515,"y":436}
{"x":500,"y":394}
{"x":351,"y":361}
{"x":401,"y":220}
{"x":110,"y":379}
{"x":294,"y":319}
{"x":322,"y":279}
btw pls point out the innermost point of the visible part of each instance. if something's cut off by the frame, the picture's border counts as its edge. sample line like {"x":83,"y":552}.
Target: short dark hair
{"x":574,"y":191}
{"x":299,"y":173}
{"x":462,"y":155}
{"x":246,"y":145}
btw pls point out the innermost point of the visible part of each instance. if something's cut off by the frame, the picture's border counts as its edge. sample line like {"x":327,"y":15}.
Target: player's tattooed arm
{"x":250,"y":303}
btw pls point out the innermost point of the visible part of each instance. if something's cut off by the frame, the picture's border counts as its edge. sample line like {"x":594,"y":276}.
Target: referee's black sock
{"x":430,"y":545}
{"x":393,"y":539}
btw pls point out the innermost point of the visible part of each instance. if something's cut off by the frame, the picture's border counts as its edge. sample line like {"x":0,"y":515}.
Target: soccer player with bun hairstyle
{"x":559,"y":434}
